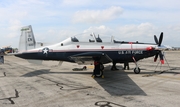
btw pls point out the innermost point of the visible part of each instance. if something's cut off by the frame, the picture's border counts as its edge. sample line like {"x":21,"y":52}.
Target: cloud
{"x":14,"y":25}
{"x":142,"y":32}
{"x":14,"y":28}
{"x":99,"y":29}
{"x":54,"y":35}
{"x":75,"y":2}
{"x":127,"y":20}
{"x":96,"y":16}
{"x":175,"y":28}
{"x":34,"y":2}
{"x":143,"y":29}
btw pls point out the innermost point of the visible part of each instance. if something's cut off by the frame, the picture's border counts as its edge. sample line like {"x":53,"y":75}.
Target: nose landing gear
{"x":137,"y":70}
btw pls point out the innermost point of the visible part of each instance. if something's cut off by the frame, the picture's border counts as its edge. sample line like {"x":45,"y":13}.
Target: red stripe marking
{"x":75,"y":50}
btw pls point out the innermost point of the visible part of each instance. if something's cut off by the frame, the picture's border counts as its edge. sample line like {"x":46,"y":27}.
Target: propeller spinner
{"x":159,"y":53}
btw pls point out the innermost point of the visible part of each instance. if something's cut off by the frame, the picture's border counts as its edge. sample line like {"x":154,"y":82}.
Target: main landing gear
{"x":98,"y":70}
{"x":137,"y":70}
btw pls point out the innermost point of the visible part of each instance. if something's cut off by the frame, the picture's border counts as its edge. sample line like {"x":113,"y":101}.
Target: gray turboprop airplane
{"x":92,"y":50}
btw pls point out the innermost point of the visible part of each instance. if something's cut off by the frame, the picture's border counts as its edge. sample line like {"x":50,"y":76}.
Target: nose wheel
{"x":137,"y":70}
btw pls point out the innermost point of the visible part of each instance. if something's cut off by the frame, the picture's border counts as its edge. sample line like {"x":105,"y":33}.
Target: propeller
{"x":158,"y":42}
{"x":159,"y":53}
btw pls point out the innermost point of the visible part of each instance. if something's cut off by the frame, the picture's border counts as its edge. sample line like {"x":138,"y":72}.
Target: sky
{"x":55,"y":20}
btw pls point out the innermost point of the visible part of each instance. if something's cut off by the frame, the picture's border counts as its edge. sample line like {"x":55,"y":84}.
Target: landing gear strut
{"x":137,"y":70}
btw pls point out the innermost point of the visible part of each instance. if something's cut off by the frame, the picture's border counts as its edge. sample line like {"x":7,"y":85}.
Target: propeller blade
{"x":161,"y":58}
{"x":160,"y":39}
{"x":155,"y":39}
{"x":155,"y":58}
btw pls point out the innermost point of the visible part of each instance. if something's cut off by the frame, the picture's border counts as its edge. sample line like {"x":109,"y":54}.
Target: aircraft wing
{"x":88,"y":58}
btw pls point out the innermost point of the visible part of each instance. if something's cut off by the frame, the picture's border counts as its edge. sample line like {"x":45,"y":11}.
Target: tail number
{"x":31,"y":44}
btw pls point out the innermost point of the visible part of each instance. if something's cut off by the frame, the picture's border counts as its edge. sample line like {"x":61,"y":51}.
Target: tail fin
{"x":27,"y":40}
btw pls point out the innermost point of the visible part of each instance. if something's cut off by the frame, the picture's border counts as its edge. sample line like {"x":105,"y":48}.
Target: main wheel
{"x":99,"y":75}
{"x":137,"y":70}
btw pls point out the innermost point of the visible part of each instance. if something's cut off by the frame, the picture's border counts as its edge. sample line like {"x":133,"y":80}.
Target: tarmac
{"x":23,"y":84}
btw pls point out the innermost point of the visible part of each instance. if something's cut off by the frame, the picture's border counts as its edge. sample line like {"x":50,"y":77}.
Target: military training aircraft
{"x":91,"y":50}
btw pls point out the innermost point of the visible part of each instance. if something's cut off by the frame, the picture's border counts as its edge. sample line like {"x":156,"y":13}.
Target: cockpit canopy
{"x":88,"y":38}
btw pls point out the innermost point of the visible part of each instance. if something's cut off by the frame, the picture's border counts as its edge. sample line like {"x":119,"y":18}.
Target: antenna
{"x":112,"y":39}
{"x":94,"y":36}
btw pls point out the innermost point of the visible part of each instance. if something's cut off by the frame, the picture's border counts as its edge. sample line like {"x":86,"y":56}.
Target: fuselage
{"x":118,"y":52}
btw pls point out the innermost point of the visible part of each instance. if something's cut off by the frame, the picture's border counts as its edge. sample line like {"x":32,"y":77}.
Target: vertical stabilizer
{"x":27,"y":40}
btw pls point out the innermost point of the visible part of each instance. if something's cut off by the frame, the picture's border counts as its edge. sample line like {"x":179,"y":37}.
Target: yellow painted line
{"x":90,"y":66}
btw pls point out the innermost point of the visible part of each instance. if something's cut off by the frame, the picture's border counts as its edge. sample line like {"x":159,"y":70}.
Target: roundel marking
{"x":45,"y":50}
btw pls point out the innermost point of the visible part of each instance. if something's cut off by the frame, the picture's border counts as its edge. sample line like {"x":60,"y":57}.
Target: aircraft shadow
{"x":116,"y":83}
{"x":47,"y":71}
{"x":36,"y":73}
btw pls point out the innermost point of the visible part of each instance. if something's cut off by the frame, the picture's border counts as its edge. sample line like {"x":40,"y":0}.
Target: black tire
{"x":137,"y":70}
{"x":99,"y":75}
{"x":101,"y":67}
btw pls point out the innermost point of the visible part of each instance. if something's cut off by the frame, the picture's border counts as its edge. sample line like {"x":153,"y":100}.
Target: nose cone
{"x":163,"y":47}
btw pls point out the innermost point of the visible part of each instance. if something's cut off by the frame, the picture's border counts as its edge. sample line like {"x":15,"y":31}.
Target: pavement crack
{"x":70,"y":86}
{"x":16,"y":93}
{"x":4,"y":73}
{"x":10,"y":98}
{"x":161,"y":72}
{"x":73,"y":87}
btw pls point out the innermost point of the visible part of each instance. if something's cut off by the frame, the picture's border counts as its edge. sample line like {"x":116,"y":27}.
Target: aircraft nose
{"x":162,"y":47}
